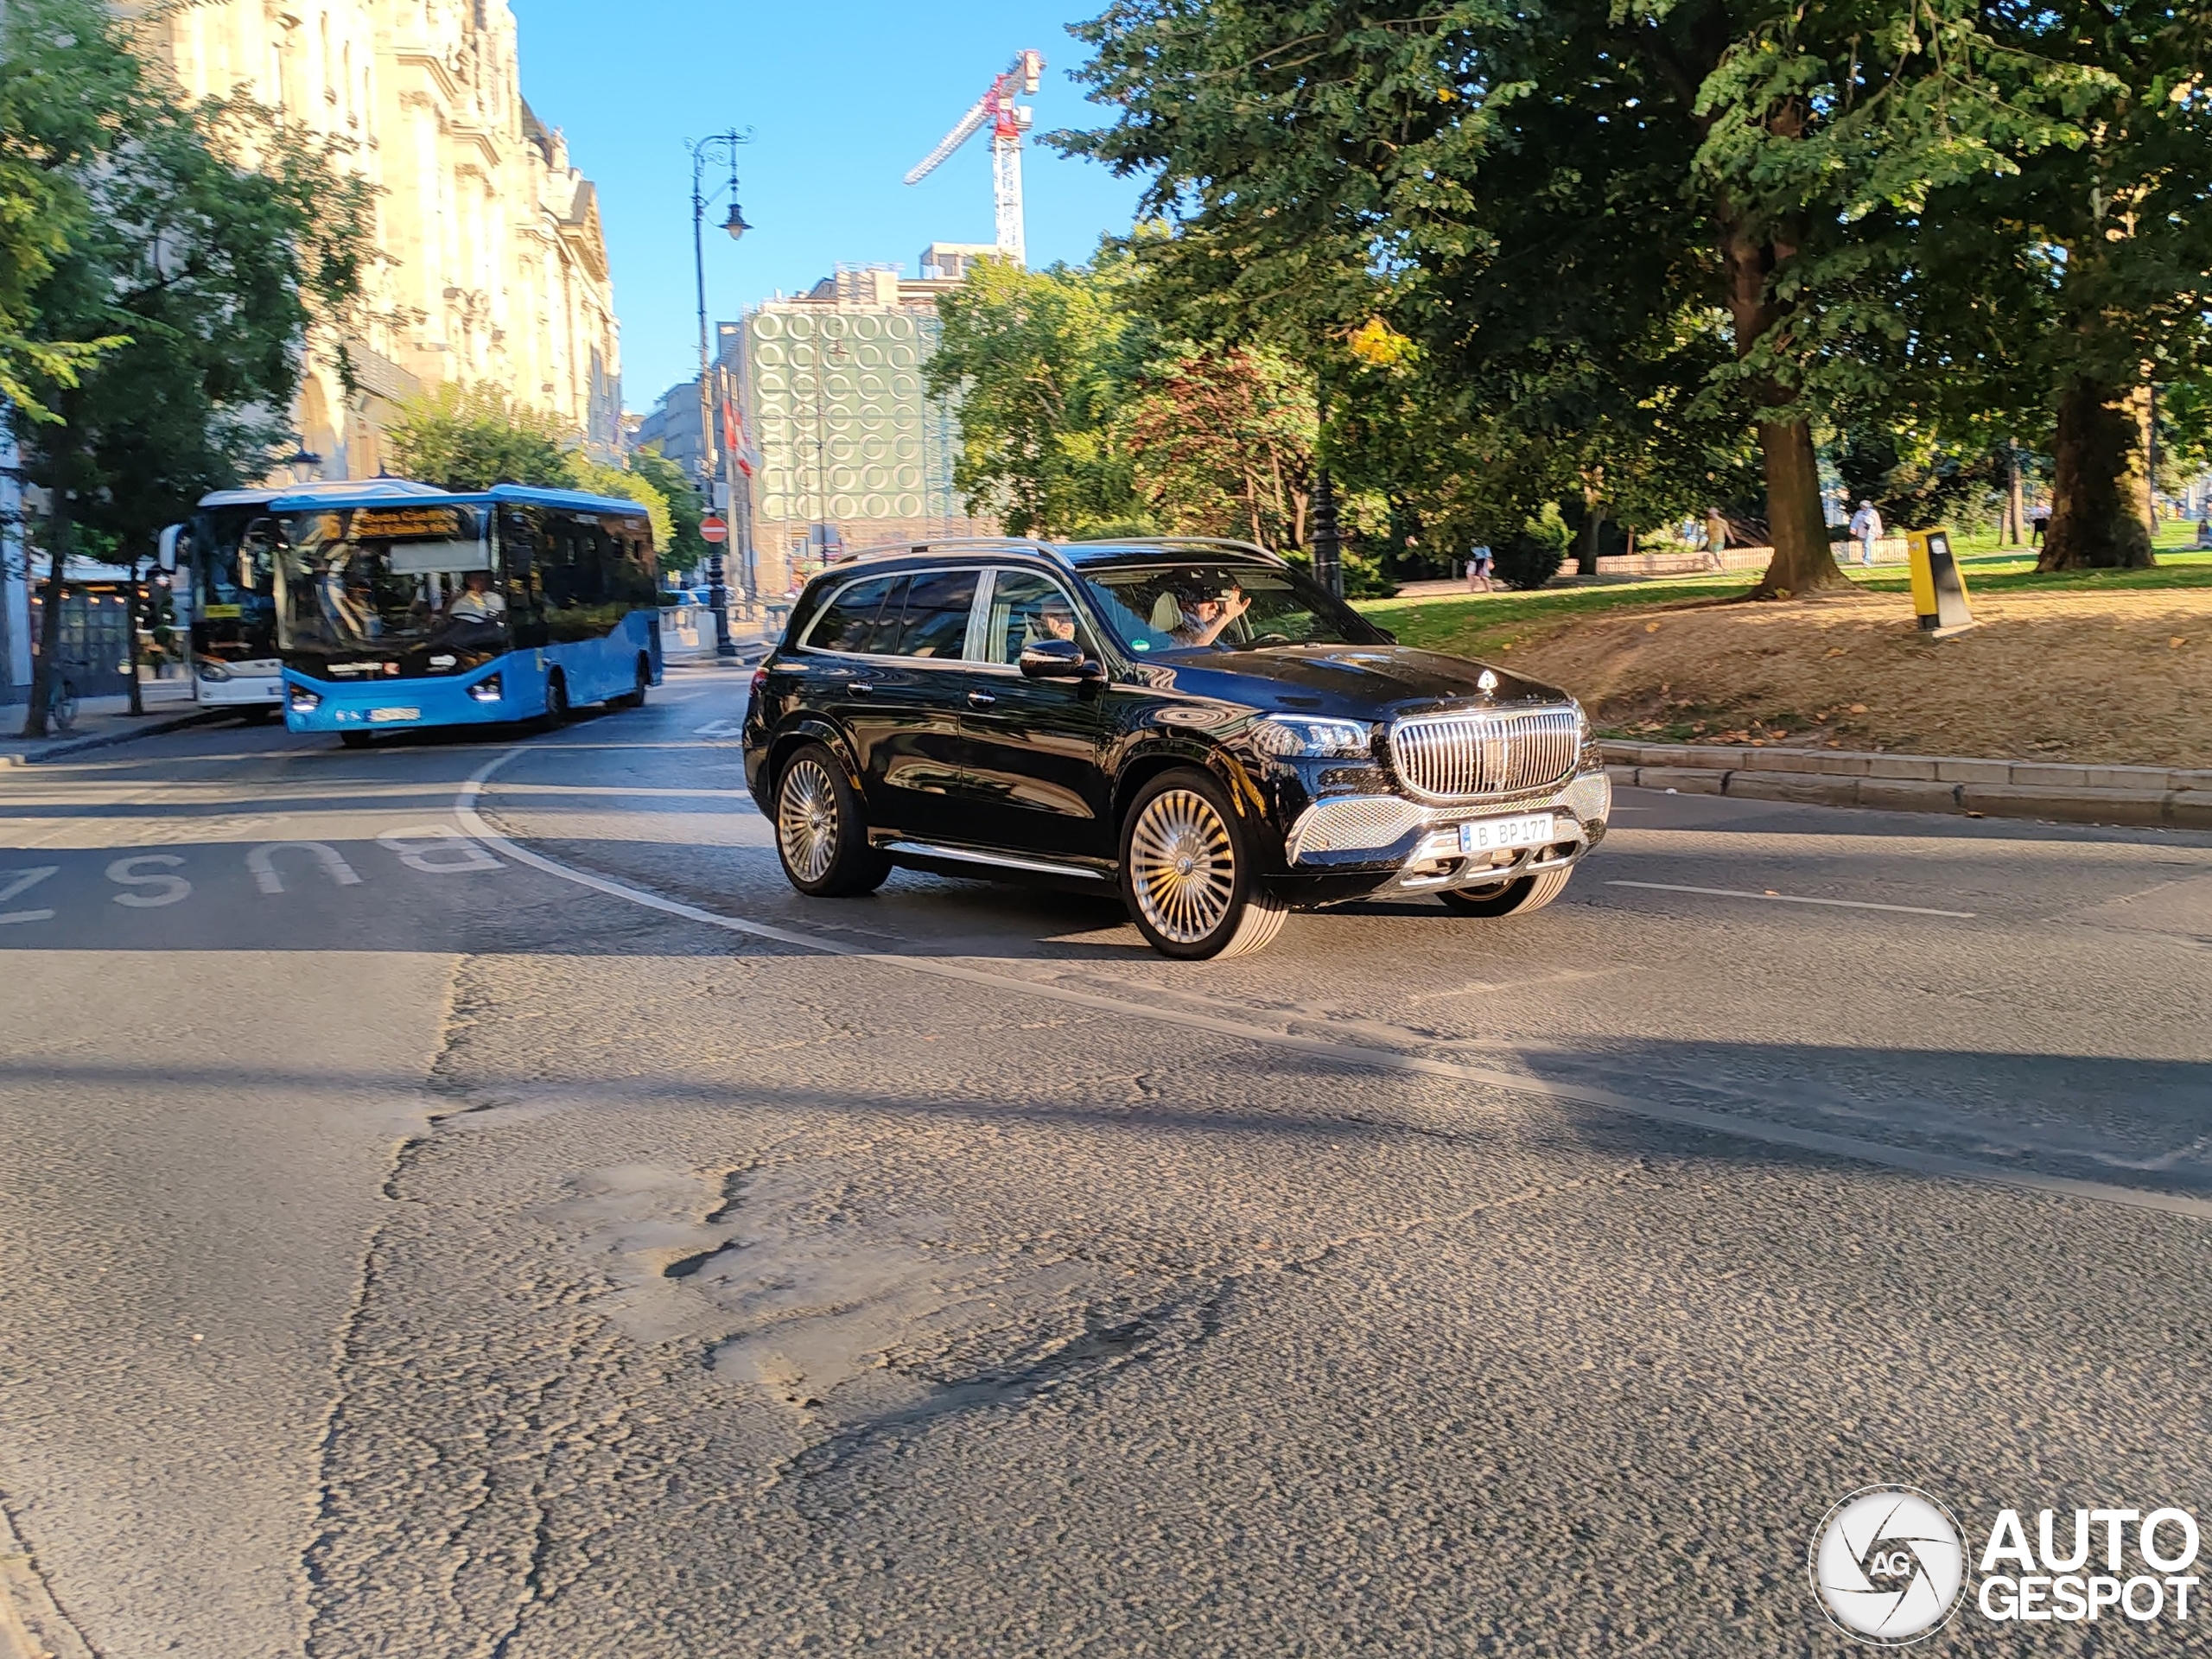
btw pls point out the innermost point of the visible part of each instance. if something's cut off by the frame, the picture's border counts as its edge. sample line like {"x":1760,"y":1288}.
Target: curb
{"x":2157,"y":797}
{"x":63,"y":748}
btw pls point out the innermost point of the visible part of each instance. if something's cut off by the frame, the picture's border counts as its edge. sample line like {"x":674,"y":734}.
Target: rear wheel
{"x":821,"y":832}
{"x":635,"y":698}
{"x":1187,"y":874}
{"x":1509,"y":898}
{"x":556,"y":704}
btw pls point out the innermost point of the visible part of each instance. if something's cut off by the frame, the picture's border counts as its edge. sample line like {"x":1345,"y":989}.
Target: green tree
{"x":212,"y":240}
{"x":685,"y":549}
{"x":1224,"y":444}
{"x":58,"y":87}
{"x":1040,"y":364}
{"x":624,"y":484}
{"x":1591,"y":211}
{"x":470,"y":437}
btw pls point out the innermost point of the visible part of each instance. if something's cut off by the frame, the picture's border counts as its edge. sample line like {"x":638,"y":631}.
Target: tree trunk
{"x":2016,"y":531}
{"x":46,"y":666}
{"x":1803,"y":561}
{"x":2100,"y":483}
{"x":1593,"y":515}
{"x":1795,"y":519}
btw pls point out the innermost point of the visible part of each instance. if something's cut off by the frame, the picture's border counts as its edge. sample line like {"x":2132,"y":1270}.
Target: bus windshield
{"x":387,"y":579}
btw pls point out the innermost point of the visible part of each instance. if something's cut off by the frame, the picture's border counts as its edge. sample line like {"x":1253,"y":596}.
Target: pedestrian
{"x":2039,"y":525}
{"x":1716,"y":537}
{"x":1479,"y":563}
{"x":1867,"y":527}
{"x":2204,"y":533}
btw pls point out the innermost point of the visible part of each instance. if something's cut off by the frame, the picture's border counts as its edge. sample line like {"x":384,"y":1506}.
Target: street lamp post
{"x":727,"y":143}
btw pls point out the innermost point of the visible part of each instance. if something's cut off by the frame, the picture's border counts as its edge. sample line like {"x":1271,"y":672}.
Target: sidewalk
{"x":101,"y":721}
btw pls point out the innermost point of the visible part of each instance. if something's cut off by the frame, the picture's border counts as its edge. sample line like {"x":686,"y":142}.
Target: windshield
{"x":387,"y":578}
{"x":1155,"y":608}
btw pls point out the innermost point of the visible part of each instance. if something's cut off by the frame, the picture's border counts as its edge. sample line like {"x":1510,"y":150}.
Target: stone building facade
{"x":492,"y":265}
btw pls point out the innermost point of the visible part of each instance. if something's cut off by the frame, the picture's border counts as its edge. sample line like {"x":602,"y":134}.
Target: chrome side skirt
{"x":991,"y":859}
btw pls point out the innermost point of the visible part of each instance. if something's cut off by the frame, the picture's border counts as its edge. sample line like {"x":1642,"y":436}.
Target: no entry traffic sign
{"x":713,"y":528}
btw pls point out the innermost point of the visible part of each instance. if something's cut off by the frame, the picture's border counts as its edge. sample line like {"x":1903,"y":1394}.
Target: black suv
{"x":1193,"y":721}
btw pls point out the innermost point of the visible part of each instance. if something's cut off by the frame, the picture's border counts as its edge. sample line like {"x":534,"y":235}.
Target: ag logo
{"x":1887,"y":1565}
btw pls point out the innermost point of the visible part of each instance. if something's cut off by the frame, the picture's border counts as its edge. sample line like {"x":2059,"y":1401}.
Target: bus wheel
{"x":635,"y":698}
{"x":259,"y":715}
{"x":355,"y":740}
{"x":556,"y":704}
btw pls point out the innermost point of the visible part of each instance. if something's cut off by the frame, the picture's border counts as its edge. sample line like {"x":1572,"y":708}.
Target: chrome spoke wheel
{"x":806,"y":820}
{"x":1182,"y":866}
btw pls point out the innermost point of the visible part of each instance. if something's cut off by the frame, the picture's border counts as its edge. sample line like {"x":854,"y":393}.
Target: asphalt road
{"x":456,"y":1199}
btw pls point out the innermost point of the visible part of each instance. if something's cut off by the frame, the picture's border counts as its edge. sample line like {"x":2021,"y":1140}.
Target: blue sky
{"x":843,"y":97}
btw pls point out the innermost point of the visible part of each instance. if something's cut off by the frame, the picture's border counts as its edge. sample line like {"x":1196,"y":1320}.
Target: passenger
{"x":1207,"y":615}
{"x":478,"y":600}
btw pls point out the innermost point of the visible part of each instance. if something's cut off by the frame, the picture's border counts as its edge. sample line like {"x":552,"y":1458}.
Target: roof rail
{"x":954,"y":544}
{"x":1185,"y":541}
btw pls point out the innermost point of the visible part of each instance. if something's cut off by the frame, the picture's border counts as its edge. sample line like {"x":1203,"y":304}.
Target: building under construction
{"x":850,"y":450}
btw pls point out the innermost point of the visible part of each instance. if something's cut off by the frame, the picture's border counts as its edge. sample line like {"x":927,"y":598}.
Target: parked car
{"x":1194,"y":722}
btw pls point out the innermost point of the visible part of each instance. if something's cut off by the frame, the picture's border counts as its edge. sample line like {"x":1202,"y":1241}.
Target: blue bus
{"x":452,"y":609}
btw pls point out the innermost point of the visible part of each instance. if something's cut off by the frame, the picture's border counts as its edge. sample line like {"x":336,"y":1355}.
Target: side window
{"x":518,"y":542}
{"x":936,"y":623}
{"x":848,"y":622}
{"x":1026,"y":608}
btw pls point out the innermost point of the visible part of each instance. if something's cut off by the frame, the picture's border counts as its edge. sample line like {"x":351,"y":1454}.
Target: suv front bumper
{"x":1404,"y":844}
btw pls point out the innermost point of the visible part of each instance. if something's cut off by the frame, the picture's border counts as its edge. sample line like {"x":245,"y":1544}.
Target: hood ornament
{"x":1487,"y":682}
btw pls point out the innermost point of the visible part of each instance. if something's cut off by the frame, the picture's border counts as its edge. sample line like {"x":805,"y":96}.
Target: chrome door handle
{"x":860,"y":687}
{"x":980,"y":699}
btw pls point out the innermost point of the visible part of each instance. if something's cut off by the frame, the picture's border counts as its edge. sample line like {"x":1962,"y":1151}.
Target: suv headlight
{"x":1592,"y":756}
{"x":1285,"y":735}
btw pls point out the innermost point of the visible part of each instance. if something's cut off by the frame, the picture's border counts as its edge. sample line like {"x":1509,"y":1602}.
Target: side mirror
{"x":1057,"y":660}
{"x":165,"y":548}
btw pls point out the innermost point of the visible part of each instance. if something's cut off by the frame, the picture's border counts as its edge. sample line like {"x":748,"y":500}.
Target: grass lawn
{"x":1475,"y":624}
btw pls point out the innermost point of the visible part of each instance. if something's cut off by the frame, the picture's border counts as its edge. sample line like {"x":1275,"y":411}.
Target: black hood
{"x":1348,"y":681}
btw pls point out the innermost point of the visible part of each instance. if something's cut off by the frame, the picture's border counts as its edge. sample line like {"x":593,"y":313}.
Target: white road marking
{"x":1793,"y":898}
{"x":438,"y":849}
{"x":24,"y":881}
{"x":169,"y":889}
{"x":263,"y":862}
{"x":1936,"y":1166}
{"x":720,"y":728}
{"x":600,"y":789}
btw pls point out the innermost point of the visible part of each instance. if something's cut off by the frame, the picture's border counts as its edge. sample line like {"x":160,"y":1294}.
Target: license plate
{"x":383,"y":717}
{"x":1496,"y":834}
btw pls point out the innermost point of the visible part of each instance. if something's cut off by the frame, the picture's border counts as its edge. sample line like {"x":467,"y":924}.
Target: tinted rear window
{"x":848,"y":621}
{"x":938,"y":603}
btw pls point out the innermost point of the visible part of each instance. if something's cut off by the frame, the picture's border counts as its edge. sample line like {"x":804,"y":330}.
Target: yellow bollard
{"x":1939,"y":587}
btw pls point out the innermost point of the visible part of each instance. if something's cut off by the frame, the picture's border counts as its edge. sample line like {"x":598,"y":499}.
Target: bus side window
{"x":519,"y":538}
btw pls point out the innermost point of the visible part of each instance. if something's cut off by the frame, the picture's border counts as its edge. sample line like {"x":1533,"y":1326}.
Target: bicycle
{"x":61,"y":704}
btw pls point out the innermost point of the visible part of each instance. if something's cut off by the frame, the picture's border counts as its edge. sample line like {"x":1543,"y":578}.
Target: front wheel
{"x":1187,"y":874}
{"x":1508,"y":898}
{"x":820,"y":833}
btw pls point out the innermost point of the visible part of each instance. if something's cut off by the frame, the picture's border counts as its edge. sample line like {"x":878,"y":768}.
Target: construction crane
{"x":1008,"y":121}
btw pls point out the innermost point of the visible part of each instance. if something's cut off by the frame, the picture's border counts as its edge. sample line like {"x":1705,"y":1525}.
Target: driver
{"x":1056,"y":618}
{"x":1207,"y":615}
{"x":478,"y":600}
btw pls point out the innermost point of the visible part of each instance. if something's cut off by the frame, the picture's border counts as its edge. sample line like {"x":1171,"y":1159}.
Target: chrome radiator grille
{"x":1466,"y":756}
